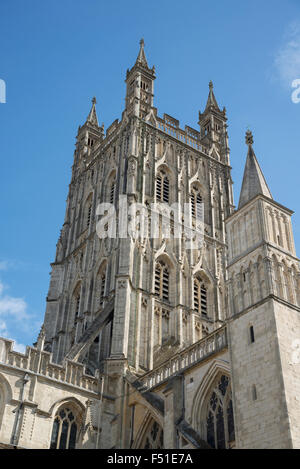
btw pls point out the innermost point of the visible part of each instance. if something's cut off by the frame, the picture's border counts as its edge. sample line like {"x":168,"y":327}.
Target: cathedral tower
{"x":140,"y":299}
{"x":263,"y":316}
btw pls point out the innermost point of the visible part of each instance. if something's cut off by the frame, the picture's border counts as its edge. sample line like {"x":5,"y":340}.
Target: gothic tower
{"x":150,"y":339}
{"x":140,"y":300}
{"x":263,"y":316}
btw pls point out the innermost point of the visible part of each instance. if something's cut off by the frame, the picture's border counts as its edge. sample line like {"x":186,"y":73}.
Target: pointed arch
{"x":202,"y":293}
{"x":110,"y":195}
{"x":162,"y":187}
{"x":150,"y":434}
{"x":76,"y":301}
{"x":162,"y":279}
{"x":212,"y":411}
{"x":5,"y":395}
{"x":67,"y":420}
{"x":196,"y":200}
{"x":101,"y":282}
{"x":87,"y":211}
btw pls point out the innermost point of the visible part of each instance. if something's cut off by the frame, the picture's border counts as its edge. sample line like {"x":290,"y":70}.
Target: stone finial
{"x":94,"y":101}
{"x":249,"y":138}
{"x":211,"y":85}
{"x":41,"y":338}
{"x":141,"y":58}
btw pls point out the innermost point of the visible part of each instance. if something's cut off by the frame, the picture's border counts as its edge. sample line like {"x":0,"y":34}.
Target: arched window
{"x":162,"y":187}
{"x":196,"y":203}
{"x":112,"y":191}
{"x":76,"y":302}
{"x":162,"y":281}
{"x":88,"y":212}
{"x":219,"y":419}
{"x":200,"y":296}
{"x":154,"y":438}
{"x":64,"y":431}
{"x":100,"y":288}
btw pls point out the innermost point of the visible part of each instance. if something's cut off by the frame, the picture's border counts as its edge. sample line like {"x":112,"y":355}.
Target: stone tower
{"x":263,"y":316}
{"x":149,"y":340}
{"x":140,"y":299}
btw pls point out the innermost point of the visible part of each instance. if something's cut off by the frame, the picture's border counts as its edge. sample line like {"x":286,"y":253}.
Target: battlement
{"x":39,"y":362}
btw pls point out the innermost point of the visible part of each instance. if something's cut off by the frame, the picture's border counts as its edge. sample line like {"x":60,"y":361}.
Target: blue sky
{"x":56,"y":55}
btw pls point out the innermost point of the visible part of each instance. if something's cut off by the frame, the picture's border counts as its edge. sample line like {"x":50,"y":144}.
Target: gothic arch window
{"x":65,"y":429}
{"x":100,"y":286}
{"x":161,"y":281}
{"x":219,"y":423}
{"x":154,"y":438}
{"x":88,"y":211}
{"x":112,"y":190}
{"x":196,"y":202}
{"x":76,"y":301}
{"x":200,"y":296}
{"x":162,"y":186}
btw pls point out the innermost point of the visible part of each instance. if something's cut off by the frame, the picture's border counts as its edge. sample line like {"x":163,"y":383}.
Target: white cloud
{"x":10,"y":305}
{"x":3,"y":328}
{"x":18,"y":347}
{"x":287,"y":59}
{"x":13,"y":314}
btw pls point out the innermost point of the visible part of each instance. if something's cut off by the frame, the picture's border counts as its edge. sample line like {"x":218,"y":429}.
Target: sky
{"x":56,"y":55}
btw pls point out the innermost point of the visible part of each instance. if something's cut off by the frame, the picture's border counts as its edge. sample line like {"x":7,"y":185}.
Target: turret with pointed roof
{"x":211,"y":100}
{"x":140,"y":85}
{"x":213,"y":127}
{"x":92,"y":117}
{"x":89,"y":134}
{"x":254,"y":182}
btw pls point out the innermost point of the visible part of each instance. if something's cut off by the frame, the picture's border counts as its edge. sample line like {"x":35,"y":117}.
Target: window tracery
{"x":64,"y":430}
{"x":219,"y":420}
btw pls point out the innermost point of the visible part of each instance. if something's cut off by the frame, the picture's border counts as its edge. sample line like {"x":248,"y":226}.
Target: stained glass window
{"x":155,"y":437}
{"x":219,"y":421}
{"x":64,"y":430}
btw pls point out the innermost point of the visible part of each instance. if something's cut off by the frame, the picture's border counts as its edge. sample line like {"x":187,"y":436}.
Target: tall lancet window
{"x":200,"y":296}
{"x":101,"y":280}
{"x":76,"y":301}
{"x":162,"y":281}
{"x":196,"y":203}
{"x":219,"y":421}
{"x":89,"y":213}
{"x":162,"y":187}
{"x":154,"y":438}
{"x":64,"y":431}
{"x":112,"y":191}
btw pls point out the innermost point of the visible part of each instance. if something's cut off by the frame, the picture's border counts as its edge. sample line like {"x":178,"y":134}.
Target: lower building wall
{"x":288,"y":333}
{"x":261,"y":413}
{"x":28,"y":422}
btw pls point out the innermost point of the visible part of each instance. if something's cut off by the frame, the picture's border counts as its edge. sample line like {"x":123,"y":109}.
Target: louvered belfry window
{"x":200,"y":296}
{"x":196,"y":203}
{"x":112,"y":192}
{"x":162,"y":187}
{"x":162,"y":281}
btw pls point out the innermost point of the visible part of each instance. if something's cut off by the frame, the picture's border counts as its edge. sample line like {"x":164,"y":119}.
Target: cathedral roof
{"x":254,"y":182}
